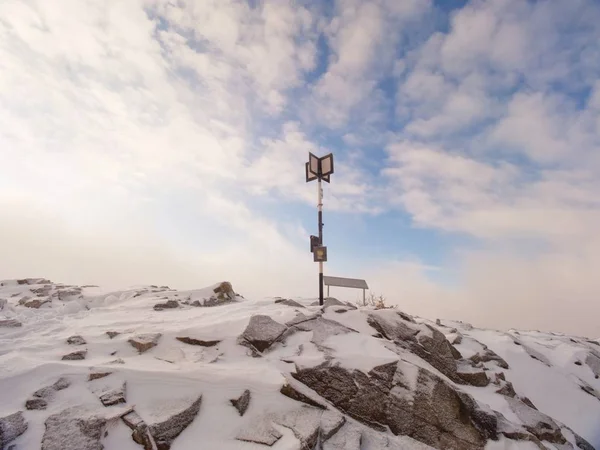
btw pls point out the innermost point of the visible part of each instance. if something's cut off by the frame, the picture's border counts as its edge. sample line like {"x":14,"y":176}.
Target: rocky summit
{"x":156,"y":368}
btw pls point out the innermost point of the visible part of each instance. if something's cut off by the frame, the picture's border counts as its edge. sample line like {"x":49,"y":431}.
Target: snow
{"x":167,"y":378}
{"x":358,"y":351}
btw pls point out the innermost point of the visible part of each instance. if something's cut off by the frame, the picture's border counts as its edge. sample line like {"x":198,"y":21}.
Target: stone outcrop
{"x":200,"y":342}
{"x":75,"y":356}
{"x":261,"y":333}
{"x":291,"y":303}
{"x":145,"y":342}
{"x":11,"y":427}
{"x":170,"y":304}
{"x":431,"y":411}
{"x":425,"y":341}
{"x":114,"y":396}
{"x":165,"y":432}
{"x":242,"y":403}
{"x":160,"y":435}
{"x":540,"y":425}
{"x":76,"y":340}
{"x":73,"y":429}
{"x":10,"y":323}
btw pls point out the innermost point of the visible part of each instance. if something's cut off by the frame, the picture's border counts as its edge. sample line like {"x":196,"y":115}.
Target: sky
{"x":164,"y":142}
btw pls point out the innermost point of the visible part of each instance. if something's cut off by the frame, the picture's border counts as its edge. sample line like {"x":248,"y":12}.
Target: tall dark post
{"x":319,"y":169}
{"x":320,"y":215}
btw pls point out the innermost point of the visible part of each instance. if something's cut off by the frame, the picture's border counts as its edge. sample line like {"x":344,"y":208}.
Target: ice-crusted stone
{"x":11,"y":427}
{"x":97,"y":375}
{"x":242,"y":403}
{"x":540,"y":425}
{"x":423,"y":340}
{"x":75,"y":356}
{"x":429,"y":410}
{"x":144,"y":342}
{"x":73,"y":429}
{"x":331,"y":423}
{"x":10,"y":323}
{"x":289,"y":302}
{"x":170,"y":304}
{"x":259,"y":431}
{"x":347,"y":438}
{"x":304,"y":422}
{"x":474,"y":377}
{"x":200,"y":342}
{"x":76,"y":340}
{"x":36,"y":404}
{"x":166,"y":431}
{"x":262,"y":332}
{"x":114,"y":396}
{"x":593,"y":363}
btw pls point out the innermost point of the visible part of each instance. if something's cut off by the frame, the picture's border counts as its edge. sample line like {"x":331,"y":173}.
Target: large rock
{"x":200,"y":342}
{"x":10,"y":323}
{"x":472,"y":376}
{"x":409,"y":400}
{"x":593,"y":363}
{"x":76,"y":340}
{"x":114,"y":396}
{"x":73,"y":429}
{"x":262,"y":332}
{"x":36,"y":404}
{"x":170,"y":304}
{"x":540,"y":425}
{"x":488,"y":355}
{"x":288,"y":302}
{"x":242,"y":403}
{"x":165,"y":432}
{"x":145,"y":342}
{"x":425,"y":341}
{"x":259,"y":431}
{"x":11,"y":427}
{"x":75,"y":356}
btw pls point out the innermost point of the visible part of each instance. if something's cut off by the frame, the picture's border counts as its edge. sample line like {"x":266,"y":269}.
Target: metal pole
{"x":320,"y":214}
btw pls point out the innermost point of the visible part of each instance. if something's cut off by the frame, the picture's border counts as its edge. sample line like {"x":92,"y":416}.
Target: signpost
{"x":319,"y":169}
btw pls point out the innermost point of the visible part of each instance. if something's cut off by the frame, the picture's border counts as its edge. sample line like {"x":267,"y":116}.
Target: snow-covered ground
{"x":550,"y":370}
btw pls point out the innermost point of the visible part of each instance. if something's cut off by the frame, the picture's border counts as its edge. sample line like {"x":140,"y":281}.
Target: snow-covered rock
{"x":361,"y":379}
{"x":11,"y":427}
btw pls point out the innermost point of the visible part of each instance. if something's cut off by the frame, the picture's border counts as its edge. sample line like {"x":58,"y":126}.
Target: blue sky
{"x":163,"y":143}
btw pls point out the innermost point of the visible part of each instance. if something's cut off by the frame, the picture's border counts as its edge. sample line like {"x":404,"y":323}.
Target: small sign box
{"x":320,"y":254}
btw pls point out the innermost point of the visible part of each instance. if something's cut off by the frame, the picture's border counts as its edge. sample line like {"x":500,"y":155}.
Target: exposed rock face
{"x":75,"y":356}
{"x":35,"y":304}
{"x":294,"y":392}
{"x":112,"y":334}
{"x":97,"y":375}
{"x":347,"y":438}
{"x":76,"y":340}
{"x":225,"y":291}
{"x":489,"y":355}
{"x":508,"y":390}
{"x":11,"y":427}
{"x":114,"y":396}
{"x":242,"y":403}
{"x":170,"y":304}
{"x":431,"y":412}
{"x":259,"y":431}
{"x":474,"y":377}
{"x":262,"y":332}
{"x":73,"y":429}
{"x":537,"y":423}
{"x":425,"y":341}
{"x":36,"y":404}
{"x":292,"y":303}
{"x":164,"y":433}
{"x":145,"y":342}
{"x":200,"y":342}
{"x":10,"y":323}
{"x":593,"y":363}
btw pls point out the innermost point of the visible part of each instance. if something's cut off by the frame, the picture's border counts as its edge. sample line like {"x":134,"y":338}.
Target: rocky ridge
{"x":283,"y":374}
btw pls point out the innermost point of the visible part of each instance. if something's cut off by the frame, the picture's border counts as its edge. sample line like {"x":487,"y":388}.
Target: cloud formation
{"x":173,"y":134}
